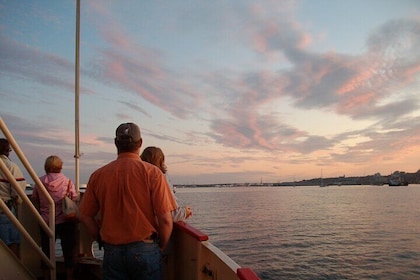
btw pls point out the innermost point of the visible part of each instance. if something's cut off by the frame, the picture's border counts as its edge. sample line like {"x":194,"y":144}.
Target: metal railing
{"x":49,"y":229}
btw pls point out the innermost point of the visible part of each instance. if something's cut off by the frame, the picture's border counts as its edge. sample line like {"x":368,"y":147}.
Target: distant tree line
{"x":376,"y":179}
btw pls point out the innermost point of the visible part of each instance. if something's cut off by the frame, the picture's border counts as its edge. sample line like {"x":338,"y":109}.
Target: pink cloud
{"x":354,"y":103}
{"x":411,"y":72}
{"x":358,"y":82}
{"x":274,"y":28}
{"x":140,"y":70}
{"x":92,"y":140}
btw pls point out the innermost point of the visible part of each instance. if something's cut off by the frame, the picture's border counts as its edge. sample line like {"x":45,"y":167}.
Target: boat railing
{"x":49,"y":229}
{"x":192,"y":256}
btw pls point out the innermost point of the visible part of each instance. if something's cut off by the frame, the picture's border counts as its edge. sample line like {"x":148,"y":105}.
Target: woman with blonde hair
{"x":155,"y":156}
{"x":58,"y":186}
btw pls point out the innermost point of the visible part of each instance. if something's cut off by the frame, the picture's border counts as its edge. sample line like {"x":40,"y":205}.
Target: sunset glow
{"x":233,"y":92}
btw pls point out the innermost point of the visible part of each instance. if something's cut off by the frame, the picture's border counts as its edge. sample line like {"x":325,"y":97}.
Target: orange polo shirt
{"x":128,"y":193}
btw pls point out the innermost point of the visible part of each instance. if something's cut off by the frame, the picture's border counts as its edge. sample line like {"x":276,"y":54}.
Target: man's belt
{"x":7,"y":181}
{"x":151,"y":239}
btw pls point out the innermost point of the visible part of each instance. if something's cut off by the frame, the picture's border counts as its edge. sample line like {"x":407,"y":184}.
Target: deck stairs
{"x":11,"y":267}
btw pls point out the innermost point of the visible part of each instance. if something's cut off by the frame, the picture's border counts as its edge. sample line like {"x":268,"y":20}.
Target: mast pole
{"x":76,"y":88}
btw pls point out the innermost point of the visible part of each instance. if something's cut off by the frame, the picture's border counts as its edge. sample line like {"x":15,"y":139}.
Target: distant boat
{"x":397,"y":179}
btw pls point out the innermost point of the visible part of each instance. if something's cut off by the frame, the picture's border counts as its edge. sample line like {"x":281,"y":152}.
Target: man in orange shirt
{"x":134,"y":203}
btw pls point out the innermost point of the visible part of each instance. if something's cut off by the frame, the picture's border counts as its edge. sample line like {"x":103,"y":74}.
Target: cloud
{"x":38,"y":141}
{"x":140,"y":70}
{"x":360,"y":87}
{"x":24,"y":63}
{"x":349,"y":85}
{"x":238,"y":105}
{"x":135,"y":108}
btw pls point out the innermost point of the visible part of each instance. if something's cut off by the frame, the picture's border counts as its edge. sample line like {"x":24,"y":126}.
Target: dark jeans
{"x":8,"y":232}
{"x":138,"y":260}
{"x":67,"y":232}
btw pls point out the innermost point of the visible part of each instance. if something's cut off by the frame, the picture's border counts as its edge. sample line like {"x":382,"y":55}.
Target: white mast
{"x":76,"y":89}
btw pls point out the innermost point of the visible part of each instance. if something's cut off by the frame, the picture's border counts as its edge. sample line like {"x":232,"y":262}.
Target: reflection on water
{"x":351,"y":232}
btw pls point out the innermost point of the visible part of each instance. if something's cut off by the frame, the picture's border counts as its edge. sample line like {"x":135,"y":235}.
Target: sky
{"x":237,"y":91}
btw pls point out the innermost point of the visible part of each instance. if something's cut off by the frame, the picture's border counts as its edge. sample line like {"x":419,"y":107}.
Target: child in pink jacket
{"x":58,"y":186}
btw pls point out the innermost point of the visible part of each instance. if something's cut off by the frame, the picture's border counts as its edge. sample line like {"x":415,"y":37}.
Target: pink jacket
{"x":57,"y":185}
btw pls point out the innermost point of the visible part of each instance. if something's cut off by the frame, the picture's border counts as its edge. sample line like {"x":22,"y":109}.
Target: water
{"x":348,"y":232}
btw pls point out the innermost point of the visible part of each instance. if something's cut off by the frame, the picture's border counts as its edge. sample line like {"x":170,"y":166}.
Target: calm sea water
{"x":348,"y":232}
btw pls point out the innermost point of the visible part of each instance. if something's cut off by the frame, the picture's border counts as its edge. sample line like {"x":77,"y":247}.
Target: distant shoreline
{"x":375,"y":180}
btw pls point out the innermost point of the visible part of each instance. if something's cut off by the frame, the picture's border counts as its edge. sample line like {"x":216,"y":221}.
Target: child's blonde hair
{"x":53,"y":164}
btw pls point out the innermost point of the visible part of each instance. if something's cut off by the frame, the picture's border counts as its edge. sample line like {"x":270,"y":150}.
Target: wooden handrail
{"x":192,"y":231}
{"x":50,"y":230}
